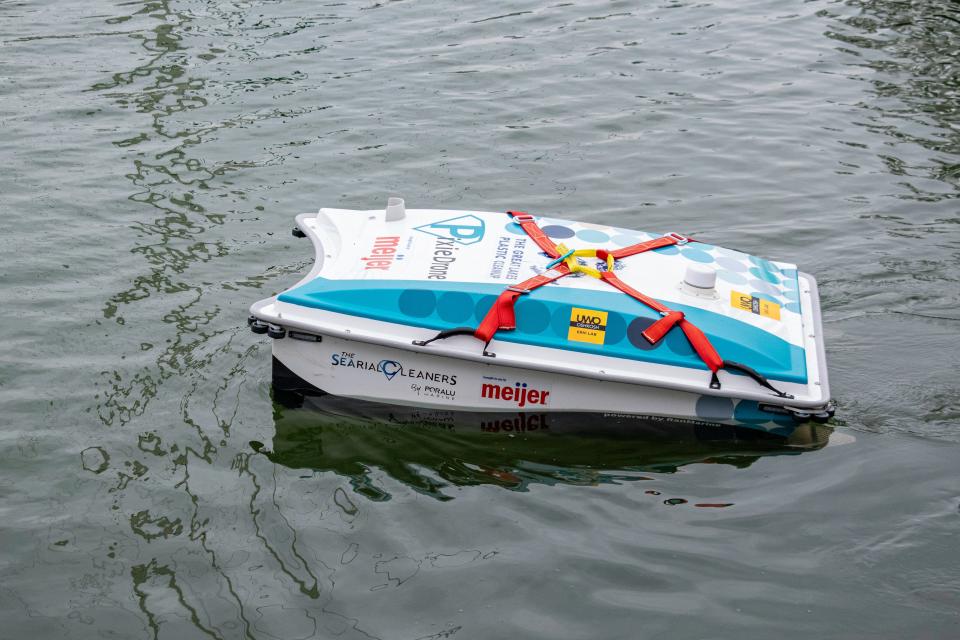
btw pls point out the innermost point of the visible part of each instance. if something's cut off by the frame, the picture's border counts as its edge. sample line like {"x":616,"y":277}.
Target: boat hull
{"x":364,"y":322}
{"x":405,"y":378}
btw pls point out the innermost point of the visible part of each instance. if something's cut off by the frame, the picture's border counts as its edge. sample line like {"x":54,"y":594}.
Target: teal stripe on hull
{"x":543,"y":320}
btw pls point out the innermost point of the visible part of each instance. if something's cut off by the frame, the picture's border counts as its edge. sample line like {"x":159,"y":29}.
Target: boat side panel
{"x":544,"y":319}
{"x":377,"y":373}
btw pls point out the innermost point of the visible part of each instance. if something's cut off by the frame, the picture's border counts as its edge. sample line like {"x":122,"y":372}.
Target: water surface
{"x":154,"y":154}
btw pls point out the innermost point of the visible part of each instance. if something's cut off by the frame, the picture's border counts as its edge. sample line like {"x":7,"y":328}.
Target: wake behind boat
{"x":487,"y":312}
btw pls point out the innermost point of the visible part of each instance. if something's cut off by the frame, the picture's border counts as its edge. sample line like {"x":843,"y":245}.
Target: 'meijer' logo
{"x":462,"y":230}
{"x":518,"y":394}
{"x":383,"y":253}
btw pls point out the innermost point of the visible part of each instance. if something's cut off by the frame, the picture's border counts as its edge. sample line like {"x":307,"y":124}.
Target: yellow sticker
{"x":753,"y":304}
{"x":587,"y":325}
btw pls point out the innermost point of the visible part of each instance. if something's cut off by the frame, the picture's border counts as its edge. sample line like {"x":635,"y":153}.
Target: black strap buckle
{"x":752,"y":373}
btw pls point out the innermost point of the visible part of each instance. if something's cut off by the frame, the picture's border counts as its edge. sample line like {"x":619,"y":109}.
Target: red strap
{"x":535,"y":233}
{"x":701,"y":344}
{"x":640,"y":247}
{"x":698,"y":340}
{"x":546,"y":277}
{"x":658,"y":329}
{"x":501,"y":314}
{"x":611,"y":278}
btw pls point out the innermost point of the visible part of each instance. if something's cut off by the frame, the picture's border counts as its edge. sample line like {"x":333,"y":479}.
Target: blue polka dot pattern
{"x":731,"y":277}
{"x":677,"y":343}
{"x":765,"y":287}
{"x":729,"y":253}
{"x":792,"y":306}
{"x":616,"y":329}
{"x":696,"y":254}
{"x":513,"y":227}
{"x":635,"y":333}
{"x":625,"y":240}
{"x":674,"y":341}
{"x":532,"y":316}
{"x":790,"y":283}
{"x":483,"y":306}
{"x":669,"y":250}
{"x":730,"y":264}
{"x":417,"y":303}
{"x":791,"y":295}
{"x":560,"y":321}
{"x":766,"y":265}
{"x":714,"y":408}
{"x":764,"y":275}
{"x":455,"y":306}
{"x":441,"y":305}
{"x":559,"y":232}
{"x":592,"y":235}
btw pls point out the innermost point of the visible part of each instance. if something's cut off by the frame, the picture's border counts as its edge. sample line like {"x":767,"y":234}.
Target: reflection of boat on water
{"x":427,"y":449}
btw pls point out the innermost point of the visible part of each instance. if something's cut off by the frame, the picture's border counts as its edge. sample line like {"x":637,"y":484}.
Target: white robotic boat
{"x":484,"y":312}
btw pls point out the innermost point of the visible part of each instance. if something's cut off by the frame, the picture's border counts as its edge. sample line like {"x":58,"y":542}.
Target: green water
{"x":152,"y":157}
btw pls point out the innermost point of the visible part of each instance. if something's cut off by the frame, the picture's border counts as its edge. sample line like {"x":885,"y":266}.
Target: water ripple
{"x":154,"y":158}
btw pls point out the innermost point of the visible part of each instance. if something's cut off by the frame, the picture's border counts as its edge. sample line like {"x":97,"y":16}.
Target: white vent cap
{"x":700,"y":276}
{"x":396,"y":210}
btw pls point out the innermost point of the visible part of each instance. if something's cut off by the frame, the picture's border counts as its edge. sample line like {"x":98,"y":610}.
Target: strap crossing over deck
{"x":501,"y":315}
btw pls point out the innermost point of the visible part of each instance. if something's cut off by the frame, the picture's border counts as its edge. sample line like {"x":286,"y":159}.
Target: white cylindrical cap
{"x":395,"y":209}
{"x":700,"y":276}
